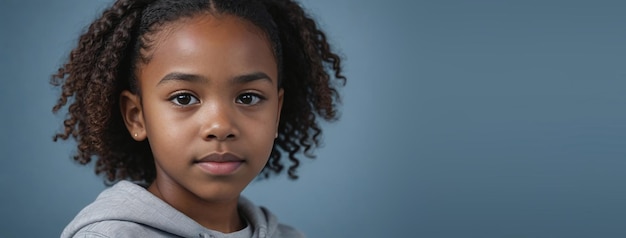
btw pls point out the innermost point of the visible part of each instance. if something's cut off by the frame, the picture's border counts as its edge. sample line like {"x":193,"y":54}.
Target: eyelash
{"x":256,"y":96}
{"x":175,"y":97}
{"x":191,"y":99}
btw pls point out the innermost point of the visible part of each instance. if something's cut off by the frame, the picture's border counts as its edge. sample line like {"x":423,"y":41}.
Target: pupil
{"x":246,"y":99}
{"x":183,"y":99}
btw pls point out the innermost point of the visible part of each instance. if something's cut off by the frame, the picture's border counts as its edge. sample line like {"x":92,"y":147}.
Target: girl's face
{"x":209,"y":106}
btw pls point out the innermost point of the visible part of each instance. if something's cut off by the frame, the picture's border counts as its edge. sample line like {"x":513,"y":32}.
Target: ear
{"x":130,"y":105}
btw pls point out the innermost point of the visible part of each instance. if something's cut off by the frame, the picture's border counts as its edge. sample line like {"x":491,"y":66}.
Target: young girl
{"x":183,"y":103}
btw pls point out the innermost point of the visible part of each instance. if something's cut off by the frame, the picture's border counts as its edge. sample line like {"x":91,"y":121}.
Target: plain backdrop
{"x":460,"y":119}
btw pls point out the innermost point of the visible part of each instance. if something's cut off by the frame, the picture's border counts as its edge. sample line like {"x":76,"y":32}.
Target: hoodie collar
{"x":128,"y":202}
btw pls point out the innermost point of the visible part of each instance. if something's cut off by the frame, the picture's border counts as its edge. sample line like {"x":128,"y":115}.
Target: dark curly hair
{"x":105,"y":60}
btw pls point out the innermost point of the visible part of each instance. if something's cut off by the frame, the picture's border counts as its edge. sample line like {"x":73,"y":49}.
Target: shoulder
{"x":127,"y":210}
{"x":118,"y":229}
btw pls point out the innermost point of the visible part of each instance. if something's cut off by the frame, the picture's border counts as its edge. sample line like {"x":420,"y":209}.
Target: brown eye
{"x":184,"y":99}
{"x":249,"y":99}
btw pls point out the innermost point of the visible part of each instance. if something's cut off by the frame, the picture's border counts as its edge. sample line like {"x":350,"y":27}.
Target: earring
{"x":276,"y":136}
{"x":135,"y":134}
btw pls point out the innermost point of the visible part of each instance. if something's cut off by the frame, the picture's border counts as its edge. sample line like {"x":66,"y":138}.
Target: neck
{"x":222,"y":216}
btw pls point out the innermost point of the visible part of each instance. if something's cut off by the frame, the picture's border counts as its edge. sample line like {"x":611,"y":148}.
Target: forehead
{"x":210,"y":42}
{"x":205,"y":23}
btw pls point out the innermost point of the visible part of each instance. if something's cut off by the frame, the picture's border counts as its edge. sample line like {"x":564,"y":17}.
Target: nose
{"x":219,"y":123}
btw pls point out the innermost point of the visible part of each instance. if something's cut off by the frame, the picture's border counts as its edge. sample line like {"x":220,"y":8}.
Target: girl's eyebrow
{"x":195,"y":78}
{"x":251,"y":77}
{"x":175,"y":76}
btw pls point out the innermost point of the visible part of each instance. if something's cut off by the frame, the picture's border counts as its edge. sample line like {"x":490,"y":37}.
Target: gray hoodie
{"x":129,"y":210}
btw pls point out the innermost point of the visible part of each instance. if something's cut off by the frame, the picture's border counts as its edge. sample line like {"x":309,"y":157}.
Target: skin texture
{"x":206,"y":107}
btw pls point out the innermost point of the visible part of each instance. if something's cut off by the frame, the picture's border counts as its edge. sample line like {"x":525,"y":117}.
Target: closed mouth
{"x":220,"y":164}
{"x":220,"y":158}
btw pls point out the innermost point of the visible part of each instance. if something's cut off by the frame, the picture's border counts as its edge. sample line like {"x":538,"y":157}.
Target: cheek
{"x":261,"y":132}
{"x":270,"y":119}
{"x":167,"y":131}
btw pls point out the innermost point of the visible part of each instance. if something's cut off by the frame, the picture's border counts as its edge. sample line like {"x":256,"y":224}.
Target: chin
{"x":219,"y":191}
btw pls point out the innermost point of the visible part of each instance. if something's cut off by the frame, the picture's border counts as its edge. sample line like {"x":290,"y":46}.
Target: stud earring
{"x":135,"y":134}
{"x":276,"y":136}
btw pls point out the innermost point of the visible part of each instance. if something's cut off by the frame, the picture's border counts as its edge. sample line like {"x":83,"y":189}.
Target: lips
{"x":220,"y":164}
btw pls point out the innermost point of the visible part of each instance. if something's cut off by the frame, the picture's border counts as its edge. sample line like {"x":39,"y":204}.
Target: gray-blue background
{"x":460,"y":119}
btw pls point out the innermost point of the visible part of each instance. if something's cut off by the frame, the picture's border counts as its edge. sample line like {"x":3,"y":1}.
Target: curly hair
{"x":105,"y":60}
